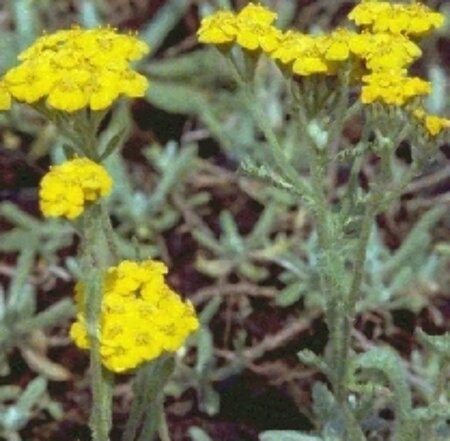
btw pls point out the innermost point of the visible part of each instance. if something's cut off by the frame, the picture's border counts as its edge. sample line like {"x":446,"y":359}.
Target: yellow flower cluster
{"x":252,"y":28}
{"x":141,"y":317}
{"x":77,"y":68}
{"x":413,"y":19}
{"x":383,"y":51}
{"x":433,"y":124}
{"x":379,"y":55}
{"x":302,"y":54}
{"x":387,"y":51}
{"x":68,"y":187}
{"x":392,"y":88}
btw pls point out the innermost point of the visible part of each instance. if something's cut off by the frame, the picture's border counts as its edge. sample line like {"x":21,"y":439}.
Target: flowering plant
{"x":322,"y":75}
{"x":127,"y":314}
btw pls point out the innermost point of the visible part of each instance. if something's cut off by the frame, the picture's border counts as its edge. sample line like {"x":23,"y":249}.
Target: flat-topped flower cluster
{"x":379,"y":55}
{"x":76,"y":68}
{"x":67,"y":188}
{"x":141,"y":316}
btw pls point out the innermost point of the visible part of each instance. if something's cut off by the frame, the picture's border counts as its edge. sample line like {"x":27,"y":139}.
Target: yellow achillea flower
{"x":67,"y":188}
{"x":219,"y":28}
{"x":413,"y":19}
{"x":301,"y":52}
{"x":255,"y":30}
{"x":433,"y":124}
{"x":292,"y":44}
{"x":384,"y":51}
{"x":392,"y":88}
{"x":141,"y":317}
{"x":78,"y":68}
{"x":251,"y":28}
{"x":257,"y":13}
{"x":336,"y":46}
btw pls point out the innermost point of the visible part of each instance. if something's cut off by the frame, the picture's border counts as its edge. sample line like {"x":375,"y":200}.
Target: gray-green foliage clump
{"x":19,"y":318}
{"x":17,"y":407}
{"x":21,"y":327}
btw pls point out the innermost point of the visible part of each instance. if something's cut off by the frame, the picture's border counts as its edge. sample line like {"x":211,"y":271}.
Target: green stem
{"x":142,"y":397}
{"x":276,"y":152}
{"x":108,"y":230}
{"x":429,"y":431}
{"x":442,"y":379}
{"x":342,"y":111}
{"x":390,"y":196}
{"x":147,"y":408}
{"x":340,"y":310}
{"x":344,"y":332}
{"x":334,"y":289}
{"x":339,"y":315}
{"x":94,"y":260}
{"x":102,"y":383}
{"x":63,"y":127}
{"x":379,"y":199}
{"x":163,"y":429}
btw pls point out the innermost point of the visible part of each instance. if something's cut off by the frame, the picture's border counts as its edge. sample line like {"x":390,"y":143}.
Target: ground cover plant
{"x":224,"y":221}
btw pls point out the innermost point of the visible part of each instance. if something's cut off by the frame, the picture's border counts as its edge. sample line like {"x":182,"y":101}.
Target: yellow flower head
{"x":78,"y":68}
{"x":433,"y":124}
{"x":384,"y":51}
{"x":251,"y":28}
{"x":257,"y":13}
{"x":413,"y":19}
{"x":255,"y":30}
{"x":304,"y":54}
{"x":392,"y":88}
{"x":67,"y":188}
{"x":337,"y":45}
{"x":141,"y":317}
{"x":219,"y":28}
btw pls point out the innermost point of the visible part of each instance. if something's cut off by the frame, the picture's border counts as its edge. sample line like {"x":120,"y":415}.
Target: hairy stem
{"x":339,"y":314}
{"x":275,"y":150}
{"x":94,"y":259}
{"x":163,"y":429}
{"x":350,"y":303}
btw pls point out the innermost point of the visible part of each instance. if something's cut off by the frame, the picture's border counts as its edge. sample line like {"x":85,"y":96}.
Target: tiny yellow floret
{"x":5,"y":97}
{"x":78,"y":68}
{"x":141,"y":316}
{"x":66,"y":189}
